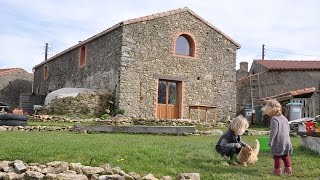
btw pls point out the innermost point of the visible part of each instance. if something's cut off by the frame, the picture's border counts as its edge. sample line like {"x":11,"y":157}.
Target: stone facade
{"x":13,"y":82}
{"x":130,"y":59}
{"x":276,"y":82}
{"x":100,"y":71}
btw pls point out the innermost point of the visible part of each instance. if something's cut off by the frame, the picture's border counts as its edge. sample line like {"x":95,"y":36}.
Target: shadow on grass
{"x":214,"y":167}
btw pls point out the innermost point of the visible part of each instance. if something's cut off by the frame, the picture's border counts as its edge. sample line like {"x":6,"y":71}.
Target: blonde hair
{"x":239,"y":124}
{"x":272,"y":108}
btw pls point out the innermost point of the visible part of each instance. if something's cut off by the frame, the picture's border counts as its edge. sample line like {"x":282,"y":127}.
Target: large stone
{"x":149,"y":177}
{"x":135,"y":175}
{"x":88,"y":170}
{"x":118,"y":170}
{"x":2,"y":129}
{"x":4,"y":164}
{"x":15,"y":176}
{"x":77,"y":167}
{"x":63,"y":176}
{"x":111,"y":177}
{"x":188,"y":176}
{"x":3,"y":175}
{"x":33,"y":175}
{"x":166,"y":178}
{"x":19,"y":166}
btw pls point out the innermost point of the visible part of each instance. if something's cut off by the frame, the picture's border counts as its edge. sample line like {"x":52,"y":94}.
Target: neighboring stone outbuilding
{"x":13,"y":82}
{"x":155,"y":66}
{"x":278,"y":78}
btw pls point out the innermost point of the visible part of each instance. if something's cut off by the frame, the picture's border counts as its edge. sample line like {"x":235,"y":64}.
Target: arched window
{"x":185,"y":45}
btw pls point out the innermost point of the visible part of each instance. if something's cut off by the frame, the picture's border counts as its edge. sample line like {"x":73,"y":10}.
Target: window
{"x":185,"y":45}
{"x":82,"y":58}
{"x":45,"y":72}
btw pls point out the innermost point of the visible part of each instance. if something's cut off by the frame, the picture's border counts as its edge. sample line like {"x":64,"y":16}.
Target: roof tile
{"x":289,"y":65}
{"x":4,"y":72}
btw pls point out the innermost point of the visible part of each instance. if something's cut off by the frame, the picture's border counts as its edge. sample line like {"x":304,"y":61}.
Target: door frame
{"x":179,"y":84}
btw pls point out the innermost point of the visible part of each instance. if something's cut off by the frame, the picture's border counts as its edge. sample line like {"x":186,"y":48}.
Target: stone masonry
{"x":132,"y":56}
{"x":277,"y":82}
{"x":13,"y":82}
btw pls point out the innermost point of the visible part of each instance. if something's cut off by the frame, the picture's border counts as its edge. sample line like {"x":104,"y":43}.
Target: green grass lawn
{"x":156,"y":154}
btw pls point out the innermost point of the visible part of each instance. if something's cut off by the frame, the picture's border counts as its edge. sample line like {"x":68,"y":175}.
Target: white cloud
{"x":282,"y":25}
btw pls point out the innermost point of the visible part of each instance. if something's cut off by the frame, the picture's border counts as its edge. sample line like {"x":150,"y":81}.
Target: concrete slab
{"x":139,"y":129}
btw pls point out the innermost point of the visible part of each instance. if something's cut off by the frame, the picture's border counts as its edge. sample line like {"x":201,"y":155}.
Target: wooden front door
{"x":168,"y":99}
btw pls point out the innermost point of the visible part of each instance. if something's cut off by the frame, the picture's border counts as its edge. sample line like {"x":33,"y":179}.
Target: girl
{"x":279,"y":139}
{"x":229,"y":144}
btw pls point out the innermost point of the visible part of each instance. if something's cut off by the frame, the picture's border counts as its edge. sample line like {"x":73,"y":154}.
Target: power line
{"x":291,"y":53}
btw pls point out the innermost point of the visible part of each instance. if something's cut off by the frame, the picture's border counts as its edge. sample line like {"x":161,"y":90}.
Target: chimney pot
{"x":244,"y":66}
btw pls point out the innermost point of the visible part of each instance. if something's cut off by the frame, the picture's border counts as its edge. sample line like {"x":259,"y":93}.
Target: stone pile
{"x":59,"y":170}
{"x":36,"y":128}
{"x":85,"y":103}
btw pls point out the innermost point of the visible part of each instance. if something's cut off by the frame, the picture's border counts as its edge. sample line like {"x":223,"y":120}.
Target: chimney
{"x":244,"y":66}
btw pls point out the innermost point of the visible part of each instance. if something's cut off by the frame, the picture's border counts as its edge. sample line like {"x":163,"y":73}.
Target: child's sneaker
{"x":225,"y":160}
{"x":277,"y":172}
{"x":288,"y":170}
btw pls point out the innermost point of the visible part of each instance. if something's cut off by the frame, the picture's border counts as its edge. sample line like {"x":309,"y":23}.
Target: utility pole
{"x":46,"y":52}
{"x":263,"y":51}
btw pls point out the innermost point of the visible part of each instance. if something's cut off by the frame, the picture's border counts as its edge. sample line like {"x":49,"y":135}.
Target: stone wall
{"x":121,"y":120}
{"x":100,"y":71}
{"x":148,"y":55}
{"x":277,"y":82}
{"x":12,"y":85}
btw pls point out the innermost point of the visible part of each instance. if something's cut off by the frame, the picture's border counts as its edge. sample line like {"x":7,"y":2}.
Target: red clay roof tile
{"x":289,"y":65}
{"x":4,"y":72}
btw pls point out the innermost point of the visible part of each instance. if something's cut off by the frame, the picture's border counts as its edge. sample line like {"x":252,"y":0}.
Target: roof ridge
{"x":291,"y":60}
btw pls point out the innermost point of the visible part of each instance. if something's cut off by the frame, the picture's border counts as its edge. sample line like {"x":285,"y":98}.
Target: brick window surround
{"x":82,"y":56}
{"x":191,"y":43}
{"x":45,"y":72}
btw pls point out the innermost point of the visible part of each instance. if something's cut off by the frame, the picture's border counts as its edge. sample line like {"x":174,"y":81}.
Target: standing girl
{"x":279,"y":138}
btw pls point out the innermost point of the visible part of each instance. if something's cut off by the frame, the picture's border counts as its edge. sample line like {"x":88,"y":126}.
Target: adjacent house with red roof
{"x":277,"y":78}
{"x":155,"y":66}
{"x":13,"y":82}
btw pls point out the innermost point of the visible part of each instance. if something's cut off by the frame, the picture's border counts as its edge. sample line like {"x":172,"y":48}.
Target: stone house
{"x":13,"y":82}
{"x":155,"y":66}
{"x":298,"y":80}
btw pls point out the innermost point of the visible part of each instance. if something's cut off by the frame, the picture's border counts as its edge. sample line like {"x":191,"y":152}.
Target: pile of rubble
{"x":62,"y":170}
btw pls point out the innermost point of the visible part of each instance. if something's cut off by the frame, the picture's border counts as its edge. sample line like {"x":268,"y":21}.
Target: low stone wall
{"x":121,"y":120}
{"x":310,"y":142}
{"x":58,"y":170}
{"x":36,"y":128}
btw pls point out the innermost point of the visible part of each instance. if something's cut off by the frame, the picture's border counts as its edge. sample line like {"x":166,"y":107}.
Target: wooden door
{"x":168,"y":99}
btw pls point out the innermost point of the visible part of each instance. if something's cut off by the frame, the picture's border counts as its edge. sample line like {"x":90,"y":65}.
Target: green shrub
{"x":118,"y":111}
{"x":105,"y":116}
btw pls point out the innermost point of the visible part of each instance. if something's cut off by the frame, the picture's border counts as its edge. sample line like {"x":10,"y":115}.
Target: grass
{"x":156,"y":154}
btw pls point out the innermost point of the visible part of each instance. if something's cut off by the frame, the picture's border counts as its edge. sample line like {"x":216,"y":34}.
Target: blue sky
{"x":290,"y":29}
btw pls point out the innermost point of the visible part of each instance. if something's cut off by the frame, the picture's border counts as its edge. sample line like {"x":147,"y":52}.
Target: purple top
{"x":279,"y":138}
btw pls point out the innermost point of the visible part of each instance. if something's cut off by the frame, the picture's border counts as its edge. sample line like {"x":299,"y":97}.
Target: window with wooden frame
{"x":45,"y":72}
{"x":82,"y":56}
{"x":185,"y":45}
